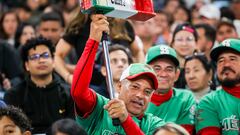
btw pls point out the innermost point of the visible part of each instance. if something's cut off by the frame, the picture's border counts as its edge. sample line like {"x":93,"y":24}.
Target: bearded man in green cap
{"x":219,"y":112}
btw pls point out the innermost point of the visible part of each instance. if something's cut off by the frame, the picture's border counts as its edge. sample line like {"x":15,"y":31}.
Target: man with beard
{"x":218,"y":112}
{"x":42,"y":95}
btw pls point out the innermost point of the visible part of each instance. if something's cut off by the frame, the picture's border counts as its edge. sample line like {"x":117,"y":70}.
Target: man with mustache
{"x":219,"y":112}
{"x":95,"y":112}
{"x":168,"y":103}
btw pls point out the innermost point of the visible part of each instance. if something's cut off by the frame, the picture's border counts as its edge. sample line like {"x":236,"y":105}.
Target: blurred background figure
{"x":206,"y":38}
{"x":170,"y":129}
{"x":24,"y":32}
{"x":67,"y":127}
{"x":198,"y":75}
{"x":226,"y":29}
{"x":210,"y":14}
{"x":8,"y":26}
{"x":14,"y":121}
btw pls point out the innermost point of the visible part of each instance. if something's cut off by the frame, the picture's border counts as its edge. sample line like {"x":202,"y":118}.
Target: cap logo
{"x":226,"y":43}
{"x":164,"y":50}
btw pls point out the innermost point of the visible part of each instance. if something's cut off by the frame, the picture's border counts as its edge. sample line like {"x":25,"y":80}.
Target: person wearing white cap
{"x":210,"y":14}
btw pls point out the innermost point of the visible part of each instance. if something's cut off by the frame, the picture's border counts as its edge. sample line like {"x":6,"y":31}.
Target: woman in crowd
{"x":198,"y":74}
{"x":8,"y":26}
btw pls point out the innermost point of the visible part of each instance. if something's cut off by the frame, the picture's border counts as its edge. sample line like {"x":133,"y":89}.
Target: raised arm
{"x":83,"y":97}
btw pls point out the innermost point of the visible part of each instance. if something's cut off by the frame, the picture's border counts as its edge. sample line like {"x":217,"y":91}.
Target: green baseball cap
{"x":162,"y":51}
{"x":228,"y":44}
{"x":139,"y":69}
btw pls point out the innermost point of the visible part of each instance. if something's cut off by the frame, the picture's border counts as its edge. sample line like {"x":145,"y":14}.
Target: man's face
{"x":42,"y":66}
{"x":136,"y":94}
{"x":228,"y":70}
{"x":8,"y":127}
{"x":119,"y":62}
{"x":202,"y":40}
{"x":51,"y":30}
{"x":225,"y":32}
{"x":166,"y":72}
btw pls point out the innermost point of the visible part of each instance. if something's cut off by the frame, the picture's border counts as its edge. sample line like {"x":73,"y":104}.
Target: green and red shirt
{"x":176,"y":106}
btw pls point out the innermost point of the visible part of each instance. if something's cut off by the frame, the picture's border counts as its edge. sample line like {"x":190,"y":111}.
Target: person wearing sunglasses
{"x":218,"y":112}
{"x":41,"y":95}
{"x":198,"y":75}
{"x":169,"y":103}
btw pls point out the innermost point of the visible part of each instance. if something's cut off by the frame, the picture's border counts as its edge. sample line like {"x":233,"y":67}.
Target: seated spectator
{"x":14,"y":121}
{"x":226,"y":29}
{"x":198,"y":75}
{"x":120,"y":59}
{"x":67,"y":127}
{"x":42,"y":95}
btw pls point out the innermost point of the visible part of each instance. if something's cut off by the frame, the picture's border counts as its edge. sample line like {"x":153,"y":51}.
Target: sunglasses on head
{"x":34,"y":57}
{"x":195,"y":54}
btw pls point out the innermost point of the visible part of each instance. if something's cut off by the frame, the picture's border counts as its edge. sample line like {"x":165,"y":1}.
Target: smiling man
{"x":218,"y":112}
{"x":168,"y":103}
{"x":137,"y":83}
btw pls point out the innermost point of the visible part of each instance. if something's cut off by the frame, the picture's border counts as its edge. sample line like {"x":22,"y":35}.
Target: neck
{"x":42,"y":81}
{"x":147,"y":43}
{"x":161,"y":92}
{"x":199,"y":94}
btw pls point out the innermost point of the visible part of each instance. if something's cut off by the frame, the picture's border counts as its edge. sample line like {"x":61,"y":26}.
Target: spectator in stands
{"x":51,"y":26}
{"x":170,"y":129}
{"x":14,"y":121}
{"x":8,"y":26}
{"x":198,"y":75}
{"x":42,"y":95}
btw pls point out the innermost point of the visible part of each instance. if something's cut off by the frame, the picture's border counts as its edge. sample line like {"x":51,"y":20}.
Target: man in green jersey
{"x":219,"y":112}
{"x":136,"y":86}
{"x":168,"y":103}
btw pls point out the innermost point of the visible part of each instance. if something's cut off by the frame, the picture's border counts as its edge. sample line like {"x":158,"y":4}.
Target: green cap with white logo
{"x":162,"y":51}
{"x":138,"y":69}
{"x":228,"y":44}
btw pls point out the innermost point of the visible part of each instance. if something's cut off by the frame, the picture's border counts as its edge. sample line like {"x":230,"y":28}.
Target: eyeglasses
{"x":187,"y":39}
{"x":35,"y":57}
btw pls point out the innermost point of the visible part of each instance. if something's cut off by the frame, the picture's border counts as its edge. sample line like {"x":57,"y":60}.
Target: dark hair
{"x":116,"y":47}
{"x":17,"y":116}
{"x":169,"y":17}
{"x":19,"y":32}
{"x":181,"y":2}
{"x":52,"y":16}
{"x":33,"y":43}
{"x":209,"y":31}
{"x":187,"y":11}
{"x":3,"y":34}
{"x":187,"y":27}
{"x":202,"y":58}
{"x":67,"y":126}
{"x":206,"y":65}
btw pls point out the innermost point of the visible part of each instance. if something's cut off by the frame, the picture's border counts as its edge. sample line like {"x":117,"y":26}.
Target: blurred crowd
{"x":41,"y":42}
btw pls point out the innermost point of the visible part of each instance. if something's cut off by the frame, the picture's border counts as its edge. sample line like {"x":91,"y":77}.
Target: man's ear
{"x":118,"y":87}
{"x":27,"y":133}
{"x":103,"y":71}
{"x":177,"y":74}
